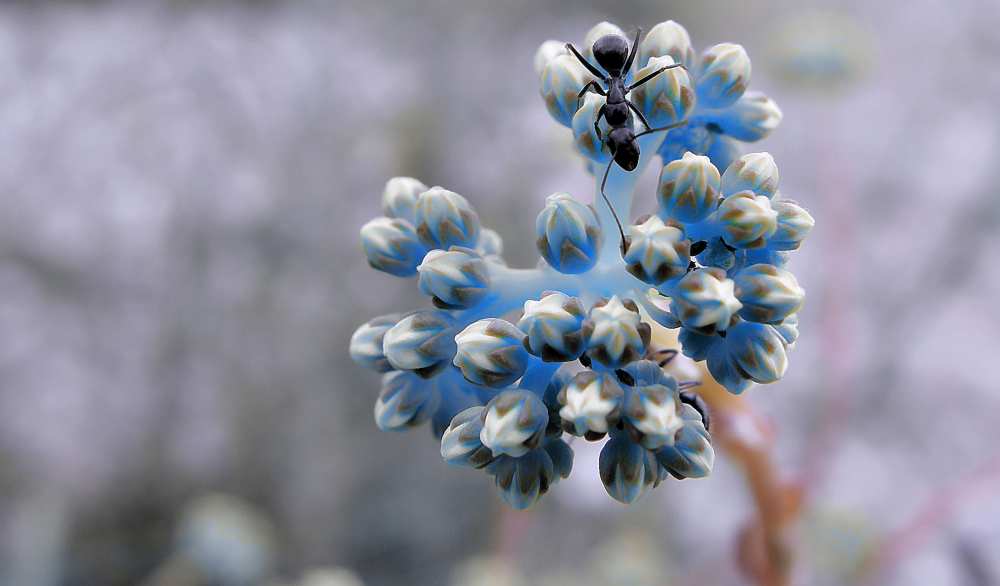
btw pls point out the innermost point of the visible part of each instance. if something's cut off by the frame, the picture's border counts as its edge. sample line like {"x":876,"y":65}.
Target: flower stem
{"x":620,"y":189}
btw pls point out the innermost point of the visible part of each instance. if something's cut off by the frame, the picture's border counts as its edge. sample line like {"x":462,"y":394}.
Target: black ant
{"x":613,"y":54}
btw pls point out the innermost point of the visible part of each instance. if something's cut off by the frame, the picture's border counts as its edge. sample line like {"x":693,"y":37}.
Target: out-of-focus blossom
{"x":227,"y":540}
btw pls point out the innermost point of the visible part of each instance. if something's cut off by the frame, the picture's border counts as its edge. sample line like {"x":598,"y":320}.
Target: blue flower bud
{"x":423,"y":342}
{"x":696,"y":345}
{"x":490,"y":243}
{"x":619,"y":336}
{"x":666,"y":98}
{"x":591,"y":403}
{"x":491,"y":353}
{"x":569,"y":235}
{"x":746,"y":221}
{"x":705,"y":299}
{"x":627,"y":469}
{"x":691,"y":455}
{"x":457,"y":395}
{"x":456,"y":278}
{"x":555,"y":327}
{"x":514,"y":424}
{"x":717,"y":255}
{"x":758,"y":351}
{"x":722,"y":151}
{"x":657,"y":252}
{"x":667,"y":38}
{"x":652,"y":413}
{"x":768,"y":294}
{"x":561,"y":81}
{"x":688,"y":189}
{"x":522,"y":481}
{"x":724,"y":369}
{"x":647,"y":372}
{"x":725,"y":74}
{"x":765,"y":256}
{"x":445,"y":219}
{"x":399,"y":199}
{"x":698,"y":139}
{"x":788,"y":330}
{"x":562,"y":377}
{"x":657,"y":308}
{"x":406,"y":400}
{"x":392,"y":246}
{"x":460,"y":443}
{"x":561,"y":455}
{"x":756,"y":172}
{"x":794,"y":224}
{"x":366,"y":343}
{"x":750,"y":119}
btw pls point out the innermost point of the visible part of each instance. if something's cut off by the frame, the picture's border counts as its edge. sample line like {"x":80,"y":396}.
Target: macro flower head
{"x":512,"y":365}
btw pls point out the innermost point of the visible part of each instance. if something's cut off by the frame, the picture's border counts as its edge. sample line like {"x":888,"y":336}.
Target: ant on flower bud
{"x":613,"y":54}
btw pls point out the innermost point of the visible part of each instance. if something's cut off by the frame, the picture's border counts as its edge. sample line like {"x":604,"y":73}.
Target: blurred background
{"x":182,"y":185}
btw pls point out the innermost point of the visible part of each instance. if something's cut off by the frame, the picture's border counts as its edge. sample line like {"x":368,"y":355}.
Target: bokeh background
{"x":182,"y":185}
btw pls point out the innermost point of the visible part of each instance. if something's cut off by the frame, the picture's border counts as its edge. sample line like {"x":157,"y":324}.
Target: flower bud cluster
{"x":733,"y":303}
{"x":504,"y":363}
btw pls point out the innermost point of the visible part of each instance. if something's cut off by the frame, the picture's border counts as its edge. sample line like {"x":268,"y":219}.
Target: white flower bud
{"x":399,"y":199}
{"x":666,"y":98}
{"x":491,"y":353}
{"x":657,"y":252}
{"x":445,"y":219}
{"x":548,"y":51}
{"x":747,"y":221}
{"x":725,"y":75}
{"x":568,"y":234}
{"x":756,"y":172}
{"x":688,"y":189}
{"x":392,"y":246}
{"x":456,"y":278}
{"x":750,"y":119}
{"x":515,"y":423}
{"x":591,"y":403}
{"x":667,"y":38}
{"x":705,"y":299}
{"x":562,"y":79}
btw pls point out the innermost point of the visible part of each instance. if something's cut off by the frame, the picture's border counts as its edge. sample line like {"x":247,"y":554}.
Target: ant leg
{"x":586,"y":63}
{"x":597,"y":128}
{"x":652,"y":75}
{"x":636,"y":110}
{"x":667,"y":127}
{"x":635,"y":49}
{"x":621,"y":231}
{"x":591,"y":86}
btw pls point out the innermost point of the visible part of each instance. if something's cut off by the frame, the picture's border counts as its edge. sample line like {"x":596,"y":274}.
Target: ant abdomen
{"x":621,"y":143}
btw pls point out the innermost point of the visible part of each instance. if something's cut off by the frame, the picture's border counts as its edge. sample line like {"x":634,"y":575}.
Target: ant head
{"x":611,"y":52}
